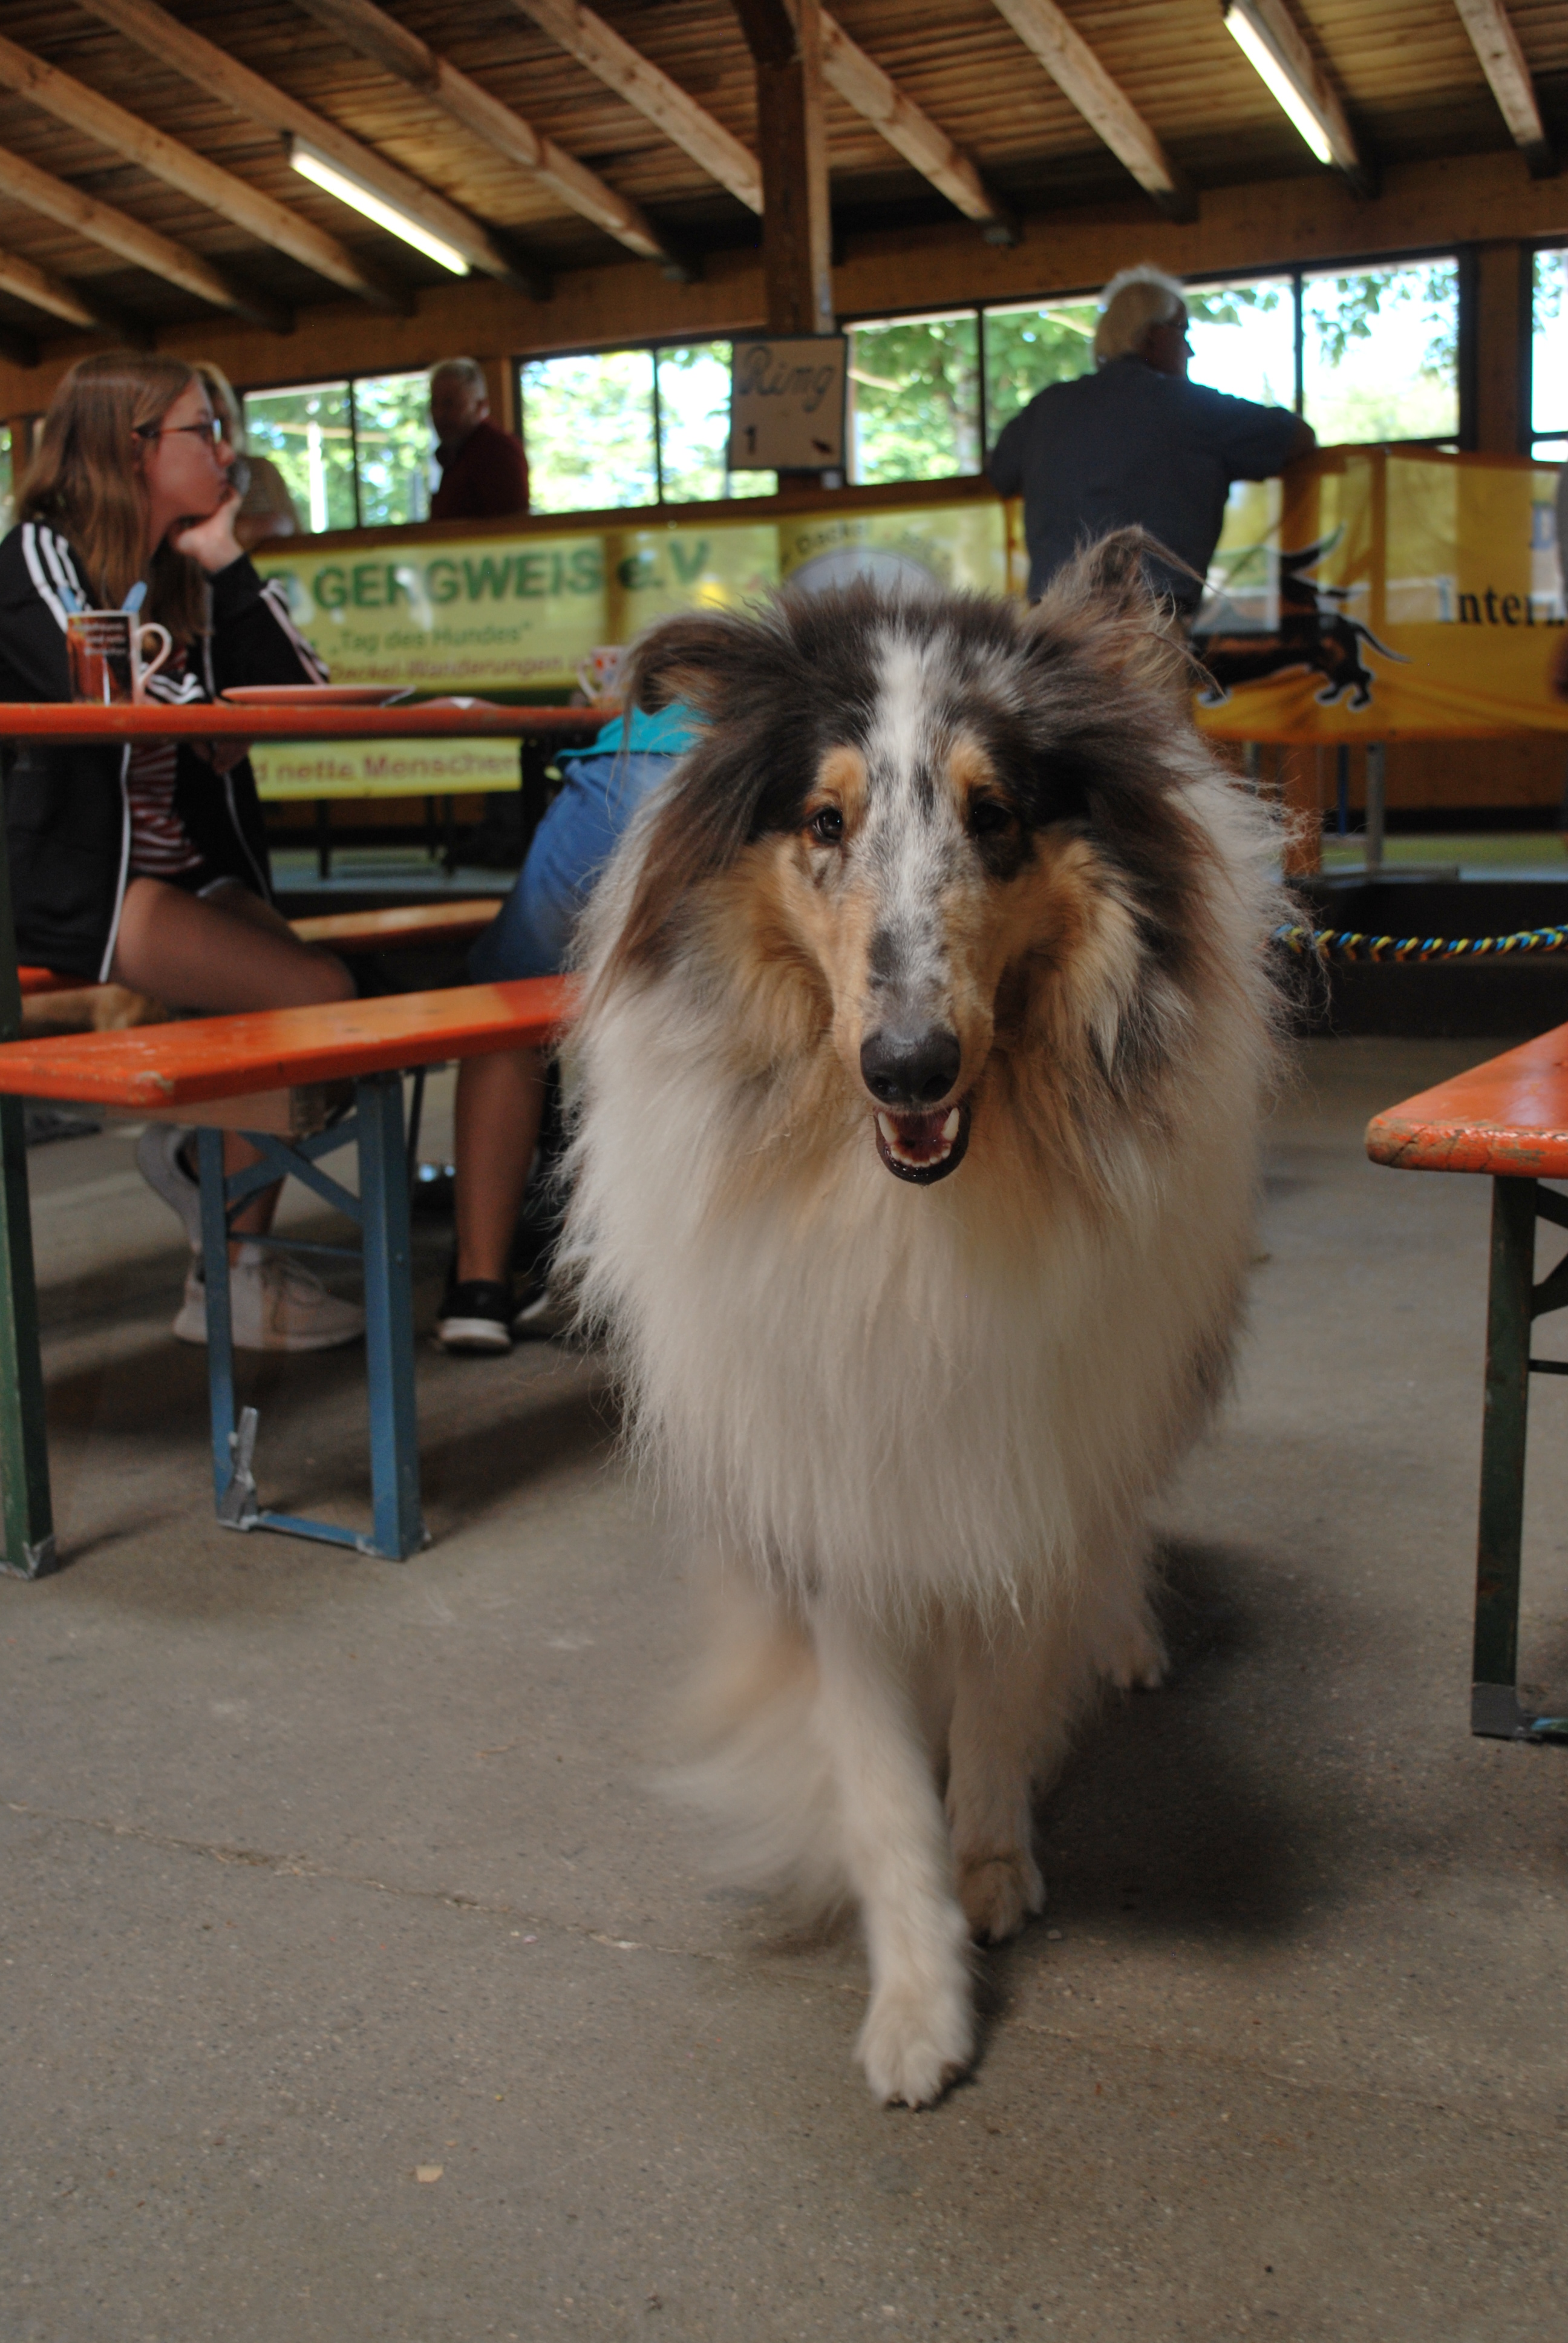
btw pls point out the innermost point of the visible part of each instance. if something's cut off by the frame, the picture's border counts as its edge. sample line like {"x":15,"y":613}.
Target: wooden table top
{"x":211,"y":720}
{"x":156,"y":1067}
{"x":1509,"y":1116}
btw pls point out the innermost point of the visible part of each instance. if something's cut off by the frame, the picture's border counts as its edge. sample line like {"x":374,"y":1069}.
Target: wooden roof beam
{"x":861,"y":82}
{"x":251,"y":96}
{"x":376,"y":35}
{"x":165,"y":158}
{"x":786,"y":46}
{"x":142,"y":247}
{"x":42,"y":289}
{"x":1502,"y":61}
{"x":1073,"y":65}
{"x":642,"y":84}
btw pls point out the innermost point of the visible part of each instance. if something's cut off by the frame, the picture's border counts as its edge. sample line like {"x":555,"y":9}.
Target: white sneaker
{"x":159,"y":1161}
{"x":274,"y":1305}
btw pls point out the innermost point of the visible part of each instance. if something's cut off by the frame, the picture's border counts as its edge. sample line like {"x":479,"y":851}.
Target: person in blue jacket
{"x":501,"y":1098}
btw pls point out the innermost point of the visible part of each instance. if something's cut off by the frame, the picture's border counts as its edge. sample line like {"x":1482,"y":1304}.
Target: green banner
{"x":494,"y":613}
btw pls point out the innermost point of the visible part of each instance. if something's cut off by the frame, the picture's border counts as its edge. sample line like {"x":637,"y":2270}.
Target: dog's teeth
{"x":885,"y":1125}
{"x":950,"y":1128}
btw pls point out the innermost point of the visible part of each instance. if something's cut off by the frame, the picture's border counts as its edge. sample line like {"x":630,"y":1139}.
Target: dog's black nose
{"x":910,"y":1069}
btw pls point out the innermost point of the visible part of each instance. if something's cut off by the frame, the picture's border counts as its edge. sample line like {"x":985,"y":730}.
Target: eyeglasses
{"x":210,"y":428}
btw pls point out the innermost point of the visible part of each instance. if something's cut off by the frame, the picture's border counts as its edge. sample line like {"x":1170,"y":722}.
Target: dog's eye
{"x":989,"y":817}
{"x":827,"y":825}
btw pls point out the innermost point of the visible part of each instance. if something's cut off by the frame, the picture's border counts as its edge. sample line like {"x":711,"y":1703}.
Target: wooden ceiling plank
{"x":379,"y":36}
{"x":142,"y":247}
{"x":861,"y":82}
{"x":271,"y":223}
{"x":1502,"y":61}
{"x":251,"y":94}
{"x":643,"y":85}
{"x":1103,"y":103}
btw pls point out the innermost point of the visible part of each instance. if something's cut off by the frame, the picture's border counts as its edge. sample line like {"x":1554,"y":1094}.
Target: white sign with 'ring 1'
{"x":787,"y":404}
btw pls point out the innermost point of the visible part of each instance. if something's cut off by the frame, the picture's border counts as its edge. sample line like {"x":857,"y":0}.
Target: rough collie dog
{"x":926,"y":1020}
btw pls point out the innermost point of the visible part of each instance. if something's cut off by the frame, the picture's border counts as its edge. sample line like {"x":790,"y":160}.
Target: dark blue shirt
{"x":1130,"y":445}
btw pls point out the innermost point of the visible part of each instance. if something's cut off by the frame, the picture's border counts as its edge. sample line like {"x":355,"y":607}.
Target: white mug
{"x":108,"y":665}
{"x":599,"y":673}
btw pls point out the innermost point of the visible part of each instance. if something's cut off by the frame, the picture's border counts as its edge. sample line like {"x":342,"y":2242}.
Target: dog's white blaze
{"x":911,"y":833}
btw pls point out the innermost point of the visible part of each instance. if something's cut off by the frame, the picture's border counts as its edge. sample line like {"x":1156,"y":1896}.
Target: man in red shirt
{"x":484,"y":472}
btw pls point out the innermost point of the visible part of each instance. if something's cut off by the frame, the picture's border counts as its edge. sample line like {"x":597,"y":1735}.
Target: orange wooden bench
{"x":1508,"y":1117}
{"x":345,"y":932}
{"x":302,"y":1082}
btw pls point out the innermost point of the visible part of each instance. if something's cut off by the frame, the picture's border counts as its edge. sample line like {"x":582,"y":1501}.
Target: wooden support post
{"x":1302,"y":806}
{"x":786,"y":45}
{"x":1502,"y":326}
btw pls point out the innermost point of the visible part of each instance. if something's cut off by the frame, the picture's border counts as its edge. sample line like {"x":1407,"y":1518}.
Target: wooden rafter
{"x":181,"y":167}
{"x":1502,"y":61}
{"x":250,"y":94}
{"x":1274,"y":24}
{"x":41,"y":290}
{"x":379,"y":36}
{"x":861,"y":82}
{"x":142,"y":247}
{"x":643,"y":85}
{"x":1104,"y":106}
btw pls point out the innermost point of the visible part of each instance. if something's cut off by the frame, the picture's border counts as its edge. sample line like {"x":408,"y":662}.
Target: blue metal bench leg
{"x":233,"y":1484}
{"x":399,"y":1526}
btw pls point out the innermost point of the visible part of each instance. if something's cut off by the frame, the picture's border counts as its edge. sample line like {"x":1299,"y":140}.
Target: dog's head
{"x":932,"y":831}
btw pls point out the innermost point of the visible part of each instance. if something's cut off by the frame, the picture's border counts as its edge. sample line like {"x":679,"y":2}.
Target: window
{"x":1549,"y":356}
{"x":1379,"y":352}
{"x":635,"y":427}
{"x":914,"y":405}
{"x":352,"y":453}
{"x":1244,"y":338}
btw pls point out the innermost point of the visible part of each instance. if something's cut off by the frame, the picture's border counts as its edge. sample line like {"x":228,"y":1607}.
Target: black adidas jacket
{"x":67,"y":814}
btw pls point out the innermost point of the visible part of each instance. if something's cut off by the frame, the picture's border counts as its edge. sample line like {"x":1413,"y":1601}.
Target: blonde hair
{"x":1134,"y":300}
{"x":86,"y":481}
{"x":225,"y":400}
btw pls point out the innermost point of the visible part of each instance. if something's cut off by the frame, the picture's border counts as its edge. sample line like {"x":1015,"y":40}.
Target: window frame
{"x":1529,"y":438}
{"x":367,"y":374}
{"x":653,"y":345}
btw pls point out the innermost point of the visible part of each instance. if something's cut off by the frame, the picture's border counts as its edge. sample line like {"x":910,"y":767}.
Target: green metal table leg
{"x":1494,"y":1698}
{"x":29,"y":1525}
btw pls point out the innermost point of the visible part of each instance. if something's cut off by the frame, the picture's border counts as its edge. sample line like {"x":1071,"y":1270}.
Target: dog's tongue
{"x":923,"y":1146}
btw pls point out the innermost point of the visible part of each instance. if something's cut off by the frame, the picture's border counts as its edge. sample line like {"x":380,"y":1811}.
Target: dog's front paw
{"x":916,"y":2041}
{"x":997,"y":1892}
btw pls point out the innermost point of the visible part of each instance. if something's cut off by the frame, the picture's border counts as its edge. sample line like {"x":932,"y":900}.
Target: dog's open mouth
{"x":923,"y":1147}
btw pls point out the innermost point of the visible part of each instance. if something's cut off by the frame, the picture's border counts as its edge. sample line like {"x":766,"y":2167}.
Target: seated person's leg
{"x":220,"y":952}
{"x":224,"y":953}
{"x":499,"y":1098}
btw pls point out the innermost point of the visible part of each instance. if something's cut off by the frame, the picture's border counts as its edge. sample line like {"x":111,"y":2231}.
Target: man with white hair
{"x":483,"y":470}
{"x":1136,"y":442}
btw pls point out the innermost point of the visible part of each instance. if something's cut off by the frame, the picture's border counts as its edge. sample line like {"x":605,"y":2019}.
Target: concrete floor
{"x":360,"y":1986}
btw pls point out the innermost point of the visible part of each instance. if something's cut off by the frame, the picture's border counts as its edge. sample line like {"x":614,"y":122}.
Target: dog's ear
{"x":692,"y":659}
{"x":1107,"y":596}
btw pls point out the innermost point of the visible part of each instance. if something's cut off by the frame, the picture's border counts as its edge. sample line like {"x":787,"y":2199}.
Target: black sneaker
{"x":475,"y":1316}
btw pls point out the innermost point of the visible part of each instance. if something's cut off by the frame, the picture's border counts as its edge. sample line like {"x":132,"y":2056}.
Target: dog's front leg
{"x":1012,"y":1703}
{"x":920,"y":2029}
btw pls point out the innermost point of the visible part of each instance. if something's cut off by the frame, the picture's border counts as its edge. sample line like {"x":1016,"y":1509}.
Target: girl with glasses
{"x":147,"y":866}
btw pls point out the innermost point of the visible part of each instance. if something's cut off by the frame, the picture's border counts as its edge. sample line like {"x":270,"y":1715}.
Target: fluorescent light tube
{"x":354,"y":192}
{"x":1270,"y":68}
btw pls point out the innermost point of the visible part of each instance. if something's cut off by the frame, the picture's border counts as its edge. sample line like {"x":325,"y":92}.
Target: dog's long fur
{"x":919,"y":1417}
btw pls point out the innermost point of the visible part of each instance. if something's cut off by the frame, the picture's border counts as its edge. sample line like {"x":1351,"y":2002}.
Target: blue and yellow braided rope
{"x":1348,"y":943}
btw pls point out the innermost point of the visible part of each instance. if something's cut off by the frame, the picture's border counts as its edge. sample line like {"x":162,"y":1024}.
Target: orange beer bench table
{"x":301,"y":1083}
{"x":346,"y":932}
{"x":1508,"y":1117}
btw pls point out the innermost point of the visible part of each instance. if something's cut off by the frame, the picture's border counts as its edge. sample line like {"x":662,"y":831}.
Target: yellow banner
{"x":1381,"y":595}
{"x":384,"y":768}
{"x":1375,"y":595}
